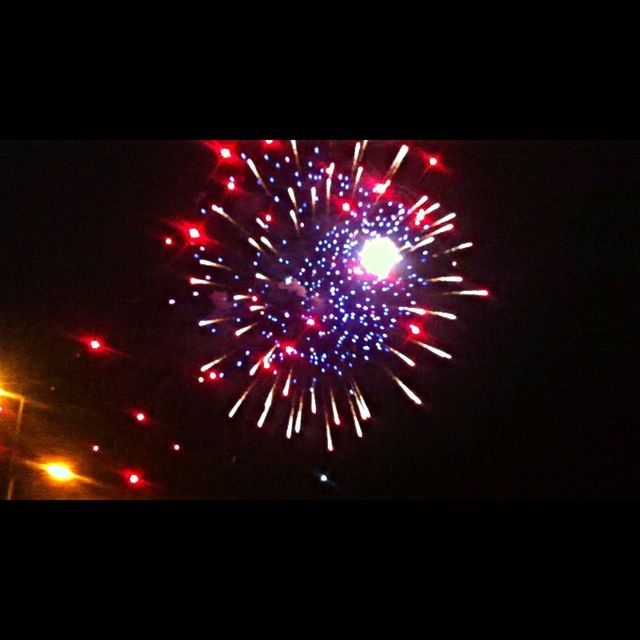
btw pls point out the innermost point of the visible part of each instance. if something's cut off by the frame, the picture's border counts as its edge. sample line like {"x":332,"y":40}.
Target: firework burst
{"x":322,"y":268}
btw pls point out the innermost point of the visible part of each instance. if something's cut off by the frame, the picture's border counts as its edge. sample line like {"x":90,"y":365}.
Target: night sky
{"x":533,"y":406}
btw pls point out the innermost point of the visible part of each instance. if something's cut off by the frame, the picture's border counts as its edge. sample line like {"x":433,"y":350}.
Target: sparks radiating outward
{"x":323,"y":271}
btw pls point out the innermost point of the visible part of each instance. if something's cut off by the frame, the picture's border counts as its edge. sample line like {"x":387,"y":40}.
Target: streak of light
{"x":292,"y":195}
{"x":298,"y":426}
{"x":253,"y":168}
{"x":294,"y":217}
{"x":290,"y":422}
{"x":264,"y":359}
{"x":334,"y":408}
{"x":356,"y":422}
{"x":287,"y":384}
{"x":314,"y":197}
{"x":225,"y":215}
{"x":356,"y":155}
{"x":451,"y":216}
{"x":294,"y":146}
{"x":312,"y":392}
{"x":402,"y":357}
{"x":403,"y":386}
{"x":404,"y":149}
{"x":474,"y":292}
{"x":460,"y":247}
{"x":417,"y":204}
{"x":239,"y":332}
{"x":217,"y":265}
{"x":213,"y":363}
{"x":236,"y":406}
{"x":438,"y":352}
{"x":206,"y":323}
{"x":268,"y":244}
{"x":328,"y":430}
{"x":267,"y":405}
{"x":358,"y":177}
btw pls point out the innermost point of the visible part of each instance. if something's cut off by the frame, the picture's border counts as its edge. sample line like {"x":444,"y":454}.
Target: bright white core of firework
{"x":379,"y":255}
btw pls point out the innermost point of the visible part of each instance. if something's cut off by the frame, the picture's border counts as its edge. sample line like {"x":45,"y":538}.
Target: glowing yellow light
{"x":379,"y":255}
{"x":59,"y":471}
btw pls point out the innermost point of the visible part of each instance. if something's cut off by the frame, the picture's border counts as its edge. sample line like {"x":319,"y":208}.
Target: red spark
{"x":415,"y":329}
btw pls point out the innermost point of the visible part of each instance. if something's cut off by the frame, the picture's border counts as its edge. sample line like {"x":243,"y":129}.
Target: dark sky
{"x":533,"y":406}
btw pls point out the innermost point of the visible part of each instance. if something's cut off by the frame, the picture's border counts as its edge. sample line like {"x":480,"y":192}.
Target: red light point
{"x":95,"y":345}
{"x":176,"y":447}
{"x":268,"y":141}
{"x":311,"y":322}
{"x":433,"y":161}
{"x":213,"y":375}
{"x":268,"y":217}
{"x":168,"y":241}
{"x":133,"y":478}
{"x":141,"y":417}
{"x":231,"y":185}
{"x":95,"y":448}
{"x":415,"y":329}
{"x":225,"y":153}
{"x":194,"y":234}
{"x":346,"y":207}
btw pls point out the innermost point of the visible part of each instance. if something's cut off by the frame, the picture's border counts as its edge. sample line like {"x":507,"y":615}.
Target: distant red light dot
{"x":268,"y":217}
{"x":346,"y":207}
{"x":95,"y":448}
{"x":311,"y":322}
{"x":95,"y":344}
{"x":168,"y":241}
{"x":194,"y":233}
{"x":141,"y":417}
{"x":200,"y":379}
{"x":225,"y":153}
{"x":415,"y":329}
{"x":134,"y":478}
{"x":433,"y":161}
{"x":213,"y":375}
{"x":269,"y":141}
{"x":231,"y":185}
{"x":176,"y":447}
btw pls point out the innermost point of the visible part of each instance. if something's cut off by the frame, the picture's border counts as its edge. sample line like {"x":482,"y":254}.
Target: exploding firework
{"x":321,"y":268}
